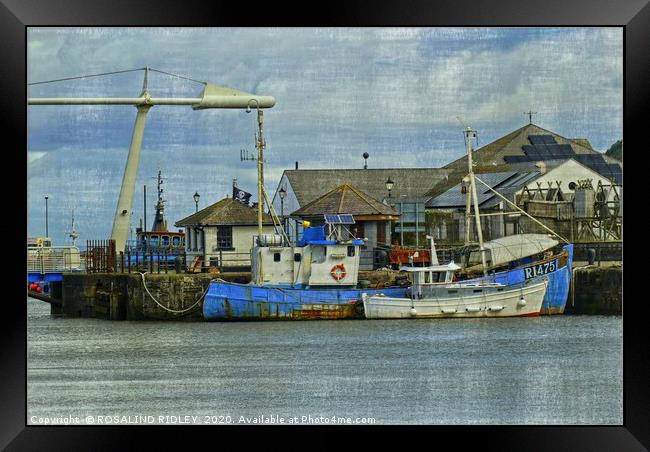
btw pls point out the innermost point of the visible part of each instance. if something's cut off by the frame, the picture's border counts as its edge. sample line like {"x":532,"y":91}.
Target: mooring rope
{"x":165,"y":307}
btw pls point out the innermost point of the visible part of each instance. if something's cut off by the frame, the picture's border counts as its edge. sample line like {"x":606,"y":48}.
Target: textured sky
{"x":395,"y":93}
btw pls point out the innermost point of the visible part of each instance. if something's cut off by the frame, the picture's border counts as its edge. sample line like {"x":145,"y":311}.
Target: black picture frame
{"x":16,"y":15}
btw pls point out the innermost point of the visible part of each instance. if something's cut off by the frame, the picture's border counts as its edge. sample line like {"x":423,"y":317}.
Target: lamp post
{"x":46,"y":228}
{"x":196,"y":200}
{"x":389,"y":187}
{"x":282,"y":194}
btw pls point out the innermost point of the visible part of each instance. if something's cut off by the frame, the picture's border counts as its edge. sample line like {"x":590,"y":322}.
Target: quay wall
{"x":115,"y":296}
{"x":598,"y":290}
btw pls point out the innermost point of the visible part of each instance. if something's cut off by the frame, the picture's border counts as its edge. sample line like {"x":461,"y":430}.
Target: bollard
{"x":591,"y":256}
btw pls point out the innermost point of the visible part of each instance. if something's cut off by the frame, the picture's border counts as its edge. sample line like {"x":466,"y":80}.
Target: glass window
{"x":276,"y":257}
{"x":351,"y":251}
{"x":318,"y":255}
{"x":176,"y":241}
{"x":153,"y":241}
{"x":165,"y":240}
{"x":224,"y":237}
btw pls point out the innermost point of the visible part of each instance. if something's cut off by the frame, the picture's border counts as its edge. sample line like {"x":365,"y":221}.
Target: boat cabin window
{"x":276,"y":257}
{"x":297,"y":257}
{"x":318,"y":254}
{"x":350,"y":251}
{"x":176,"y":241}
{"x":153,"y":241}
{"x":165,"y":240}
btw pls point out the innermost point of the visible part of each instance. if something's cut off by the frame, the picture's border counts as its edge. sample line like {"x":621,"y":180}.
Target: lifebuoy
{"x":338,"y":272}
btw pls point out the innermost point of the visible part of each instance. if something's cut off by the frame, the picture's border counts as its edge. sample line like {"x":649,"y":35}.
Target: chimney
{"x":296,"y":165}
{"x":541,"y":166}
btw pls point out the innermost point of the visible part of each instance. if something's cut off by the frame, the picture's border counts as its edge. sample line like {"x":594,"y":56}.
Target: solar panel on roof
{"x":548,"y":139}
{"x":516,"y":158}
{"x":543,"y":151}
{"x":615,"y":168}
{"x":536,"y":139}
{"x":345,"y":218}
{"x":567,"y":148}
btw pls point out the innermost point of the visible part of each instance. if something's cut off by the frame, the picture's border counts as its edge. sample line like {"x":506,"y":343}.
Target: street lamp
{"x":46,"y":228}
{"x":389,"y":187}
{"x":196,"y":200}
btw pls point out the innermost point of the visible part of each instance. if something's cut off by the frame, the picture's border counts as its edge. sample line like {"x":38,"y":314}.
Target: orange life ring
{"x":338,"y":272}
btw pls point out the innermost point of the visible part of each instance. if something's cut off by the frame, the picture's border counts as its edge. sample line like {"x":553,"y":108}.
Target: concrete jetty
{"x":178,"y":296}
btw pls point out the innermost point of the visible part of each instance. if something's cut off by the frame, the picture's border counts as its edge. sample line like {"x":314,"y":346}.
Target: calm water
{"x":547,"y":370}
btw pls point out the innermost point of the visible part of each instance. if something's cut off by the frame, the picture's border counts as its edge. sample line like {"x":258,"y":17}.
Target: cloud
{"x":393,"y":92}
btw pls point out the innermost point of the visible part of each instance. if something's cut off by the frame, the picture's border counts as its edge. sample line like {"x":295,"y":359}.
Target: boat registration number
{"x":540,"y":269}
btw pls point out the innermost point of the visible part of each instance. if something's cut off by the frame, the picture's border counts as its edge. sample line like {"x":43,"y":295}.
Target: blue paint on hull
{"x":559,"y":282}
{"x":44,"y":277}
{"x":232,"y":301}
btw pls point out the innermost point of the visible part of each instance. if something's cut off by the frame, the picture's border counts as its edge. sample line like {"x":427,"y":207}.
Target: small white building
{"x":221,"y":235}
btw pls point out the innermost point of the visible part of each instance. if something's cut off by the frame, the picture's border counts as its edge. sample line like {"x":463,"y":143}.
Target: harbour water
{"x":555,"y":370}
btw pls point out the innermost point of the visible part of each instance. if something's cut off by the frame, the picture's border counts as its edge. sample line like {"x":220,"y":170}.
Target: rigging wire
{"x":114,"y":73}
{"x":178,"y":76}
{"x":84,"y":76}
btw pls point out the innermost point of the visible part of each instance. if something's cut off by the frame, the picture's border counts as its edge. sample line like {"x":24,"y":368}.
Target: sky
{"x":401,"y":94}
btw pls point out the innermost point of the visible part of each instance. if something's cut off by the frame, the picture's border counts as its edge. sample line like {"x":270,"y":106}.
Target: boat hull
{"x":226,"y":301}
{"x":506,"y":303}
{"x":559,"y":282}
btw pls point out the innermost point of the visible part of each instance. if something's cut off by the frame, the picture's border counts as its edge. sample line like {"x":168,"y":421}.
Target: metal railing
{"x":54,"y":259}
{"x":100,"y":256}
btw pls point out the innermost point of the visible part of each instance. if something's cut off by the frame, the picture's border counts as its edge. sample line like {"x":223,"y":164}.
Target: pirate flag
{"x":240,"y":195}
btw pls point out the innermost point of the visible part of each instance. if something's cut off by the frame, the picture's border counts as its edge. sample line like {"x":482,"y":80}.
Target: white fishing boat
{"x":433,"y":294}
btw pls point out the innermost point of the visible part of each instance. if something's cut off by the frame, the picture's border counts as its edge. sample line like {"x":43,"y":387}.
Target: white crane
{"x":213,"y":96}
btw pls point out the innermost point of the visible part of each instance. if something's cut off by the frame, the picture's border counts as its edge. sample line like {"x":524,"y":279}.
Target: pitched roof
{"x":345,"y":199}
{"x":512,"y":145}
{"x":507,"y":183}
{"x":226,"y":212}
{"x":309,"y":184}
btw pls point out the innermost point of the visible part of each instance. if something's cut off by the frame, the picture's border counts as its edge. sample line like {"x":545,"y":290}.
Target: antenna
{"x":245,"y":155}
{"x":530,"y":116}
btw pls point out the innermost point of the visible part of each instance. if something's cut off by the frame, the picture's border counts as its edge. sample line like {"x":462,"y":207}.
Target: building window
{"x":224,"y":238}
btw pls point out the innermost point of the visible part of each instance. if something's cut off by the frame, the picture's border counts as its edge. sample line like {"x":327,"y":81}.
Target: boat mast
{"x":469,"y":134}
{"x":259,"y":141}
{"x":73,"y":234}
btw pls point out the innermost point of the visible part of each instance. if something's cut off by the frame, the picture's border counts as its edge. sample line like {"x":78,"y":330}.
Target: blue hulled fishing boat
{"x":519,"y":258}
{"x":314,"y":279}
